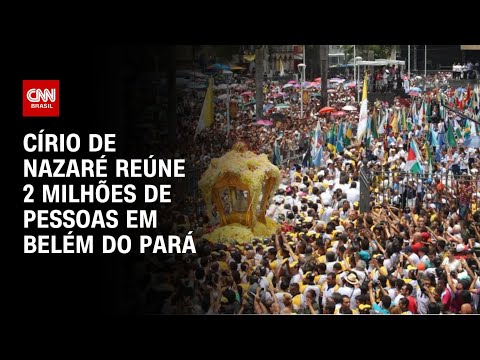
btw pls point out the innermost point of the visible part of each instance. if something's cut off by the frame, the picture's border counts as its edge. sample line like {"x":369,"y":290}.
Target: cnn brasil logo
{"x":41,"y":98}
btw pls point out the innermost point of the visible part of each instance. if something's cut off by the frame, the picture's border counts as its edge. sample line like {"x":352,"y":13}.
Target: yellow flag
{"x":206,"y":116}
{"x":365,"y":86}
{"x":395,"y":123}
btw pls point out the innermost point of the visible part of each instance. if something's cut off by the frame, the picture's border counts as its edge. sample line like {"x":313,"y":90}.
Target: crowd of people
{"x":415,"y":250}
{"x":469,"y":70}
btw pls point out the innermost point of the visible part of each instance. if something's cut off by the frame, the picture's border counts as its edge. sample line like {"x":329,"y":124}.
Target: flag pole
{"x":408,"y":62}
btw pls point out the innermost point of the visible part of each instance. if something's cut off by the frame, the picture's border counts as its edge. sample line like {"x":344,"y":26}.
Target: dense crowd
{"x":415,"y":251}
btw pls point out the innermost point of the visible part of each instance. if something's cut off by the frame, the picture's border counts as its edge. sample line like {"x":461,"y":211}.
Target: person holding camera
{"x":457,"y":287}
{"x":384,"y":306}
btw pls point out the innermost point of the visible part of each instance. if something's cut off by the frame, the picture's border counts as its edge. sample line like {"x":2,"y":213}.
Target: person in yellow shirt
{"x":345,"y":307}
{"x":298,"y":299}
{"x":297,"y":173}
{"x":378,"y":268}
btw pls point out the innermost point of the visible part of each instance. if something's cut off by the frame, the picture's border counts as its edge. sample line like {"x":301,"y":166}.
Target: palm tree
{"x":259,"y":51}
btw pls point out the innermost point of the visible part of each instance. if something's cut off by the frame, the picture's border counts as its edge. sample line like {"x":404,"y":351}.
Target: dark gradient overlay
{"x":128,"y":90}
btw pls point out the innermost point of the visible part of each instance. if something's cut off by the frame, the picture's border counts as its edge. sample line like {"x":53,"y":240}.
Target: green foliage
{"x":379,"y":51}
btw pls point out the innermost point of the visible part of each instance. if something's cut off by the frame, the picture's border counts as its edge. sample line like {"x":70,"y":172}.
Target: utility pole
{"x":425,"y":60}
{"x":324,"y":73}
{"x":415,"y":58}
{"x":259,"y":80}
{"x":408,"y":62}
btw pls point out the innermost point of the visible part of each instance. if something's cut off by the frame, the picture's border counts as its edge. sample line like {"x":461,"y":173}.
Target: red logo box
{"x":41,"y":98}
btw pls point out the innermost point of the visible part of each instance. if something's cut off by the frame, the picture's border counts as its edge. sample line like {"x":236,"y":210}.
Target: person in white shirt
{"x":353,"y":194}
{"x":411,"y":256}
{"x":279,"y":295}
{"x":453,"y":264}
{"x":350,"y":289}
{"x":308,"y":280}
{"x":379,"y":152}
{"x":463,"y":161}
{"x":330,"y":261}
{"x":399,"y":284}
{"x":325,"y":197}
{"x":329,"y":287}
{"x":327,"y":214}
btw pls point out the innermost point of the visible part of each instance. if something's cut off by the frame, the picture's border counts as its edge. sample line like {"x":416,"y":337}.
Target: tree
{"x":379,"y":51}
{"x":259,"y":51}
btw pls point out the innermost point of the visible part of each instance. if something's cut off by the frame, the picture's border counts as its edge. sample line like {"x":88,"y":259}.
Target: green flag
{"x":450,"y":137}
{"x":373,"y":125}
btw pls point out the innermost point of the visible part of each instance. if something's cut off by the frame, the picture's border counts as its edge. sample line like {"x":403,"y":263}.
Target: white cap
{"x":331,"y":182}
{"x":321,"y":173}
{"x":460,"y":247}
{"x":433,"y":206}
{"x":329,"y":161}
{"x":340,"y":228}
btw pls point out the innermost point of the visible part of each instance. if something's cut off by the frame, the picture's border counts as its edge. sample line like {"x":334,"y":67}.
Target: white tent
{"x":381,"y":62}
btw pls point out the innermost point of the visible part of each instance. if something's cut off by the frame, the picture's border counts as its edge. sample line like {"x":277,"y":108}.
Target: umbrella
{"x":277,"y":95}
{"x":222,"y":97}
{"x":472,"y":142}
{"x":287,"y":86}
{"x":336,"y":80}
{"x":416,"y":89}
{"x":413,"y":93}
{"x":327,"y":109}
{"x":339,"y":113}
{"x":267,"y":107}
{"x":264,"y":122}
{"x":350,"y":84}
{"x":349,"y":108}
{"x":316,"y":95}
{"x":282,"y":106}
{"x":296,"y":86}
{"x":219,"y":67}
{"x":318,"y":79}
{"x":221,"y":87}
{"x":247,"y":93}
{"x":331,"y":91}
{"x":277,"y":116}
{"x":292,"y":82}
